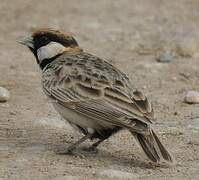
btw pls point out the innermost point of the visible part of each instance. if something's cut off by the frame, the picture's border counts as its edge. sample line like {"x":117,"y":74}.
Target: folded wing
{"x":98,"y":90}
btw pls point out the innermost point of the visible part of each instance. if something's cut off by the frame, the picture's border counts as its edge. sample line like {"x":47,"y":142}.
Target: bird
{"x":91,"y":94}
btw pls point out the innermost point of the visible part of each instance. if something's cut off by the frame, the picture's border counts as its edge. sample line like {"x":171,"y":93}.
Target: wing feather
{"x":97,"y":90}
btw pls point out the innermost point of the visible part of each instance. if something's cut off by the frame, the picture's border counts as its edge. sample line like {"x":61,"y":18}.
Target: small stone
{"x":192,"y":97}
{"x":174,"y":78}
{"x":165,"y":57}
{"x":194,"y":124}
{"x":175,"y":113}
{"x":4,"y":94}
{"x":115,"y":174}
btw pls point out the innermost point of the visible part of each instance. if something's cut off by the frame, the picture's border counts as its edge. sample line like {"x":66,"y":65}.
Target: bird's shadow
{"x":53,"y":143}
{"x":105,"y":155}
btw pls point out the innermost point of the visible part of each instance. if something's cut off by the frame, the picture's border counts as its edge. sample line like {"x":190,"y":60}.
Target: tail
{"x":152,"y":147}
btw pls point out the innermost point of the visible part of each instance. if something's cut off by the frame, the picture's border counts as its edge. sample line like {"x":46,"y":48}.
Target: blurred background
{"x":154,"y":42}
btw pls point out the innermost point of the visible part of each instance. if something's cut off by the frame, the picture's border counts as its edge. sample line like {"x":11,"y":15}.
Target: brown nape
{"x":73,"y":49}
{"x":45,"y":31}
{"x":65,"y":39}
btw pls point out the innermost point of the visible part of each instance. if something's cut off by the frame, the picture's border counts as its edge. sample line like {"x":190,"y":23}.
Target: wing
{"x":96,"y":89}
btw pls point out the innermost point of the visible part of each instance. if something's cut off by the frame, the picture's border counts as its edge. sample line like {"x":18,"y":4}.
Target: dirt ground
{"x":131,"y":34}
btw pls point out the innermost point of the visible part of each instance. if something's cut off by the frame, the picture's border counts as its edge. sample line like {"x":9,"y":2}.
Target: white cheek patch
{"x":50,"y":50}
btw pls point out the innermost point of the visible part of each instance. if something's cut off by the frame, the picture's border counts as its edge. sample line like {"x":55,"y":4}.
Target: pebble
{"x":192,"y":97}
{"x":4,"y":94}
{"x":115,"y":174}
{"x":194,"y":124}
{"x":165,"y":57}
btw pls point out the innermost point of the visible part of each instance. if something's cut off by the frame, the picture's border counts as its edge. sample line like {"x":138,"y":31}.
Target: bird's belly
{"x":81,"y":120}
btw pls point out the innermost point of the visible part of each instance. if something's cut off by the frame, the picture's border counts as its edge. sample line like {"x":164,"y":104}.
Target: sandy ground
{"x":131,"y":34}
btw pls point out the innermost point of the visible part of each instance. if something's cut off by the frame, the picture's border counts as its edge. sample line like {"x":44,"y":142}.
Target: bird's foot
{"x":90,"y":149}
{"x":68,"y":151}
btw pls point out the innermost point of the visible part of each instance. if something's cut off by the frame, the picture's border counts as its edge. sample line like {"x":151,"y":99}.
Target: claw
{"x":65,"y":151}
{"x":91,"y":149}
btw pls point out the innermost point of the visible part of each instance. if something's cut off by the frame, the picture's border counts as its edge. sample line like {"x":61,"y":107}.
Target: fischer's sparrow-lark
{"x":92,"y":95}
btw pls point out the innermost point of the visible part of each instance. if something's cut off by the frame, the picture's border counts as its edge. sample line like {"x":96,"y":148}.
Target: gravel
{"x":111,"y":30}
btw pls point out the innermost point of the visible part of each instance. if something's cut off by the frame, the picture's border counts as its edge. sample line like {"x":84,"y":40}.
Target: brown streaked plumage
{"x":91,"y":94}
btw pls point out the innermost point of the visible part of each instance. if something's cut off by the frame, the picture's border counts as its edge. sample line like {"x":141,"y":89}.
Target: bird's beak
{"x":27,"y":41}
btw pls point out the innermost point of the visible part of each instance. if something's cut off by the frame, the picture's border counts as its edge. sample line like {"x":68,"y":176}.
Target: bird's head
{"x":47,"y":44}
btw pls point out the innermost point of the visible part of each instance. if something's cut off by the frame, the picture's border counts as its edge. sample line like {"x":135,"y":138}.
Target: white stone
{"x":116,"y":174}
{"x":192,"y":97}
{"x":4,"y":94}
{"x":194,"y":124}
{"x":165,"y":57}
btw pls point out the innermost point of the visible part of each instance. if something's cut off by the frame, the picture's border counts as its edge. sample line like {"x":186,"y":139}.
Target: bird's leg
{"x":73,"y":146}
{"x":93,"y":147}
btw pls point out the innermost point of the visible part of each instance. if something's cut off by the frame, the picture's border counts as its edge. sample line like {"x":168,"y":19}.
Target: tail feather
{"x":152,"y":147}
{"x":163,"y":150}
